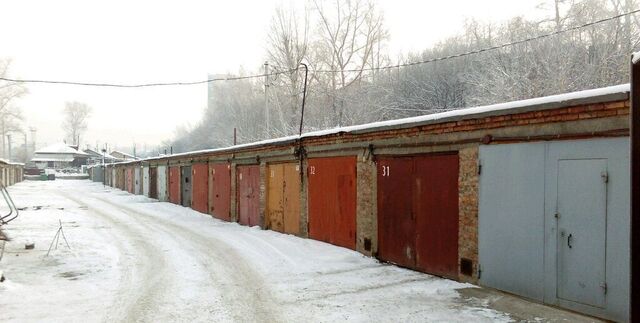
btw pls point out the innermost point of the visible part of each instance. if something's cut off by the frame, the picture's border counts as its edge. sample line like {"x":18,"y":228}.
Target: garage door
{"x":220,"y":191}
{"x":200,"y":187}
{"x":248,"y":189}
{"x":332,"y":200}
{"x":283,"y":198}
{"x":174,"y":184}
{"x":418,"y":212}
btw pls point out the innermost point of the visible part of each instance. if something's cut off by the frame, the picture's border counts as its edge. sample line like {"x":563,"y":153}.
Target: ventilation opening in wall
{"x":466,"y":266}
{"x":367,"y":244}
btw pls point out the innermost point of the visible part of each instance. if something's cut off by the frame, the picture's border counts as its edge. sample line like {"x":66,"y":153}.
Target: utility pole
{"x":33,"y":139}
{"x":26,"y":149}
{"x":9,"y":146}
{"x":266,"y":99}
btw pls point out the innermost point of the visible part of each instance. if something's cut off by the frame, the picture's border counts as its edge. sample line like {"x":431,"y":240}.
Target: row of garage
{"x":11,"y":173}
{"x":529,"y":197}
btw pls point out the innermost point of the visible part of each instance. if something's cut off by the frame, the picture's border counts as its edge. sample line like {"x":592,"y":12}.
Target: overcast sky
{"x":126,"y":41}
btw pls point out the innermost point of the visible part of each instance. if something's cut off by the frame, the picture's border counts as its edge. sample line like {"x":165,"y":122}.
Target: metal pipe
{"x":304,"y":95}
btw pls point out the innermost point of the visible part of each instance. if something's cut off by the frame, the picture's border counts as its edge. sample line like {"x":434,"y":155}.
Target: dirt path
{"x":231,"y":289}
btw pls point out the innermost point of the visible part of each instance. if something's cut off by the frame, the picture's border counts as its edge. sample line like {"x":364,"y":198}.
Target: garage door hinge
{"x":603,"y":285}
{"x":605,"y":176}
{"x":479,"y":271}
{"x":479,"y":169}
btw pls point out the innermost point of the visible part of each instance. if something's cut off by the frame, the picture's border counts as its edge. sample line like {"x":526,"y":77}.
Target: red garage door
{"x":248,"y":188}
{"x":418,"y":212}
{"x":174,"y":184}
{"x":200,"y":187}
{"x":220,"y":191}
{"x":332,"y":200}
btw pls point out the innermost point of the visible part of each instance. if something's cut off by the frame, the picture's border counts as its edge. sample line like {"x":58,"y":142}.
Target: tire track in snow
{"x":249,"y":295}
{"x":136,"y":297}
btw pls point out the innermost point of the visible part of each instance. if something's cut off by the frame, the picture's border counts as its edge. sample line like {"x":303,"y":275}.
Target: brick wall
{"x":468,"y":210}
{"x":366,"y":212}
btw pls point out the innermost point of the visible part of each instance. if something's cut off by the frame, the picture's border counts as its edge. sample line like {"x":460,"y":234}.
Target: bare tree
{"x":76,"y":118}
{"x":350,"y":32}
{"x":10,"y":114}
{"x":287,"y":47}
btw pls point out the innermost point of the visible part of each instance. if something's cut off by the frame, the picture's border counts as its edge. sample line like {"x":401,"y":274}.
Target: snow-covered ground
{"x":135,"y":259}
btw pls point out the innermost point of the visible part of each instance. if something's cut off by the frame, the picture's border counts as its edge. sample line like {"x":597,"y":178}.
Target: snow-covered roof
{"x":53,"y":158}
{"x":60,"y":148}
{"x":123,"y":154}
{"x":100,"y":154}
{"x":7,"y":162}
{"x":541,"y":103}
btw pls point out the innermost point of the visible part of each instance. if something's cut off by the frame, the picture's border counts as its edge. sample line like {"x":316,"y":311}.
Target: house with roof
{"x":58,"y":156}
{"x":96,"y":157}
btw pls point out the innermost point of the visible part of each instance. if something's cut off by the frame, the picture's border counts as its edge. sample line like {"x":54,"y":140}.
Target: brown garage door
{"x":248,"y":188}
{"x":153,"y":182}
{"x":174,"y":184}
{"x":332,"y":200}
{"x":129,"y":177}
{"x":200,"y":187}
{"x":283,"y":198}
{"x":418,"y":212}
{"x":220,"y":191}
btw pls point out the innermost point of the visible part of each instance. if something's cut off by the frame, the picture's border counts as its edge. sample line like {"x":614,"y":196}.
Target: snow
{"x":7,"y":162}
{"x":635,"y":57}
{"x":136,"y":259}
{"x":59,"y":148}
{"x":460,"y":113}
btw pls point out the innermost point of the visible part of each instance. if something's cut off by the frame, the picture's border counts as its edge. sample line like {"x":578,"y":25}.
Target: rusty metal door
{"x":121,"y":179}
{"x":129,"y":179}
{"x":332,"y":200}
{"x":185,"y":185}
{"x":200,"y":187}
{"x":396,"y":219}
{"x":220,"y":191}
{"x":436,"y":209}
{"x":283,"y":198}
{"x":291,"y":198}
{"x":153,"y":182}
{"x":275,"y":198}
{"x":174,"y":184}
{"x":248,"y":188}
{"x":418,"y":212}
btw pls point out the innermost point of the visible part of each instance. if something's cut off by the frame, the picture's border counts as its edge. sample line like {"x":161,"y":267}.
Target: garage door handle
{"x":569,"y":240}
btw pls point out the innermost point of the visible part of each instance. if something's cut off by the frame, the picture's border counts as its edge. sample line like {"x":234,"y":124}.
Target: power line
{"x":276,"y":73}
{"x":486,"y":49}
{"x":234,"y":78}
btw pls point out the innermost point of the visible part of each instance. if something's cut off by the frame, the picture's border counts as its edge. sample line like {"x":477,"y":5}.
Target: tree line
{"x":344,"y":42}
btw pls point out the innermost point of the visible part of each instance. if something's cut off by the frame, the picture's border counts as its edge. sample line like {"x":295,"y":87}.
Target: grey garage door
{"x":553,"y":223}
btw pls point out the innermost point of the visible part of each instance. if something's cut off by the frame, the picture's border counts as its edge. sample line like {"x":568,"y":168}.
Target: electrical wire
{"x":234,"y":78}
{"x":276,"y":73}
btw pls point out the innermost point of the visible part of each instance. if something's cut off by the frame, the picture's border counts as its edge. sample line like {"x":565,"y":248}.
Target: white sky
{"x":124,"y":41}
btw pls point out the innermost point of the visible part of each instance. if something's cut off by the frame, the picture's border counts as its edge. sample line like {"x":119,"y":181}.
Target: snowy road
{"x":134,"y":259}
